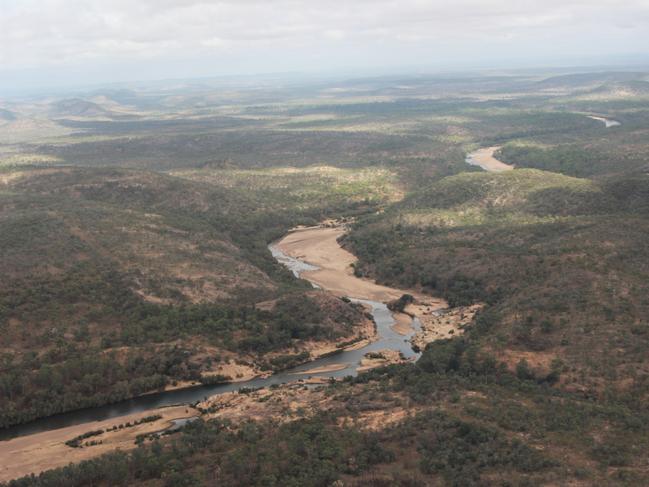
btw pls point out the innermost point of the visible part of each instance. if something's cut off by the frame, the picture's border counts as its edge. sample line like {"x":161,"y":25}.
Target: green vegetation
{"x":76,"y":441}
{"x":449,"y":449}
{"x":134,"y":256}
{"x":115,"y":280}
{"x":472,"y":423}
{"x":570,"y":159}
{"x":537,"y":247}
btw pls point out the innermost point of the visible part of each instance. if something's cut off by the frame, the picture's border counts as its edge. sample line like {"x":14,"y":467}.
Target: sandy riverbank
{"x":485,"y":159}
{"x":402,"y":324}
{"x":319,"y":246}
{"x":44,"y":451}
{"x":325,"y":368}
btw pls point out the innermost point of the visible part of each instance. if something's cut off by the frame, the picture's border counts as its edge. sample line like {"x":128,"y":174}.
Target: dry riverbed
{"x":485,"y":159}
{"x":319,"y":246}
{"x":402,"y":323}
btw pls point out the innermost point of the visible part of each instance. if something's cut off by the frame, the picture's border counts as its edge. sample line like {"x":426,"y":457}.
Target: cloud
{"x":41,"y":33}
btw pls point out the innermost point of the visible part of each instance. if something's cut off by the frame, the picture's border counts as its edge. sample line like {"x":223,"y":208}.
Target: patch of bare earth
{"x":285,"y":403}
{"x":294,"y":401}
{"x":540,"y":361}
{"x":436,"y":325}
{"x":380,"y":358}
{"x":382,"y":418}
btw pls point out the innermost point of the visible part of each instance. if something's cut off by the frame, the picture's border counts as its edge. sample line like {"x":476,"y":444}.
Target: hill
{"x":119,"y":282}
{"x":582,"y":80}
{"x":138,"y":274}
{"x":560,"y":261}
{"x":77,"y":107}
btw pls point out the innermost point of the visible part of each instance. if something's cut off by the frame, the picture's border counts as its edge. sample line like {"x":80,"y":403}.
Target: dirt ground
{"x":380,"y":358}
{"x":43,"y":451}
{"x":486,"y":160}
{"x":284,"y":403}
{"x":437,"y":326}
{"x":293,"y":401}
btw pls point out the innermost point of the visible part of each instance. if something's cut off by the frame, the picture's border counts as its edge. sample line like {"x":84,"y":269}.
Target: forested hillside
{"x":134,"y":227}
{"x":121,"y":282}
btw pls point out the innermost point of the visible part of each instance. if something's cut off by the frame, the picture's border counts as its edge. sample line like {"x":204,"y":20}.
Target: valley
{"x":438,"y":285}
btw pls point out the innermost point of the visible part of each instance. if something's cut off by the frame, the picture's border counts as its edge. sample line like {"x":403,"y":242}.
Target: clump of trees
{"x":78,"y":440}
{"x":400,"y":304}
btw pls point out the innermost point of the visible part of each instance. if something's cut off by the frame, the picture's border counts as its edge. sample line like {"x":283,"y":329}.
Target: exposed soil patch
{"x":436,"y":325}
{"x":380,"y":358}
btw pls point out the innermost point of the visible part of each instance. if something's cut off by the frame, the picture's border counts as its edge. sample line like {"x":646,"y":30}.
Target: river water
{"x":387,"y":338}
{"x":606,"y":121}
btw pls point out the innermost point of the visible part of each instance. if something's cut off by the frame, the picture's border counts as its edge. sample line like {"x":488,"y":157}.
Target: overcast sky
{"x":88,"y":41}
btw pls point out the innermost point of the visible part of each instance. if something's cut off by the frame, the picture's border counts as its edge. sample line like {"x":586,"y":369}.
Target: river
{"x":386,"y":338}
{"x":608,"y":123}
{"x":485,"y":159}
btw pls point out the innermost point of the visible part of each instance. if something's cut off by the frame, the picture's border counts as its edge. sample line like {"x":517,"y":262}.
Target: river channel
{"x":386,"y":338}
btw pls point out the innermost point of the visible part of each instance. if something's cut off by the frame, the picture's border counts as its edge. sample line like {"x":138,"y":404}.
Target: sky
{"x":77,"y":42}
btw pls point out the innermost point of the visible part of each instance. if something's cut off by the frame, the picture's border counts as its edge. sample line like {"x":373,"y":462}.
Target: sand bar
{"x":319,"y":246}
{"x":44,"y":451}
{"x":485,"y":159}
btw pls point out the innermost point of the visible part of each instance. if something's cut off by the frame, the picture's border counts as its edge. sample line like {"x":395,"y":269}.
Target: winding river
{"x":484,"y":157}
{"x":339,"y":365}
{"x":345,"y":363}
